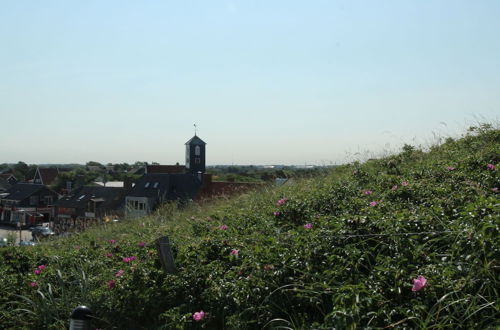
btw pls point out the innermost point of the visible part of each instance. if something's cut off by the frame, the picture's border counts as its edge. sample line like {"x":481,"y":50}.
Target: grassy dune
{"x":340,"y":250}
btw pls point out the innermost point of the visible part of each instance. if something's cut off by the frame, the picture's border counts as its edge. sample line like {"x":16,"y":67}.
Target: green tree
{"x":20,"y":170}
{"x":92,"y":163}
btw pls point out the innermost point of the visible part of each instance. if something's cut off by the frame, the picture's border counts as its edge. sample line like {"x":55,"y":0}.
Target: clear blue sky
{"x":287,"y":82}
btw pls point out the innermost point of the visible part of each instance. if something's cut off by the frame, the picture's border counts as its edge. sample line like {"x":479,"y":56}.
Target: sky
{"x":266,"y":81}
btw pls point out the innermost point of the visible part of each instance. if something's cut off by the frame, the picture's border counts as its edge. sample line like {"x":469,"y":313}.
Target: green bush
{"x":339,"y":250}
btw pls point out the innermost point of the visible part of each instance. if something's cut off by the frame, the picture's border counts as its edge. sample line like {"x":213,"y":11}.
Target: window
{"x":197,"y":160}
{"x":48,"y":200}
{"x":197,"y":150}
{"x":33,"y":200}
{"x":146,"y":185}
{"x":81,"y":197}
{"x":155,"y":185}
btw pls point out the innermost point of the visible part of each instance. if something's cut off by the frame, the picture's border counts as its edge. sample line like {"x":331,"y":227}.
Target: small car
{"x":26,"y":243}
{"x":39,"y":232}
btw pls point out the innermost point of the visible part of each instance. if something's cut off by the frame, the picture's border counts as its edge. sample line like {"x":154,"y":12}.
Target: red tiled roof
{"x":48,"y":175}
{"x":165,"y":169}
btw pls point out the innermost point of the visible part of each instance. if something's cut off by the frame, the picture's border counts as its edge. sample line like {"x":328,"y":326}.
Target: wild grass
{"x":372,"y":228}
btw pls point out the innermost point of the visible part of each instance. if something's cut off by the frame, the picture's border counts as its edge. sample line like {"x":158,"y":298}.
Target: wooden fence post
{"x":166,"y":256}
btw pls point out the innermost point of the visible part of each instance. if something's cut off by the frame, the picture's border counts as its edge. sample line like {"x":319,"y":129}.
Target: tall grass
{"x":371,"y":229}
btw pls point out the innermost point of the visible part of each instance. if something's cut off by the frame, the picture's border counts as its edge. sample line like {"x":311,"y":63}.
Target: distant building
{"x":27,"y":203}
{"x":162,"y":183}
{"x":95,"y":168}
{"x":211,"y":189}
{"x":88,"y":205}
{"x":154,"y":189}
{"x":45,"y":175}
{"x":195,"y":156}
{"x":48,"y":175}
{"x":165,"y":169}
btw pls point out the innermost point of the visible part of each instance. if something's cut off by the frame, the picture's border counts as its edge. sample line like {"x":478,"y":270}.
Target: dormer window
{"x":146,"y":185}
{"x":33,"y":200}
{"x":155,"y":185}
{"x":48,"y":200}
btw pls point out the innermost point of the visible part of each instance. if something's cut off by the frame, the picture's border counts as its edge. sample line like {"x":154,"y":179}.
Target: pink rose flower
{"x":494,"y":189}
{"x":129,"y":259}
{"x":234,"y":252}
{"x":419,"y":283}
{"x":109,"y":254}
{"x":111,"y":284}
{"x":394,"y":188}
{"x":282,"y":201}
{"x":141,"y":244}
{"x":368,"y":192}
{"x":277,"y":213}
{"x":199,"y":316}
{"x":224,"y":227}
{"x":308,"y":226}
{"x":34,"y":284}
{"x":42,"y":267}
{"x":38,"y":271}
{"x":120,"y":273}
{"x":491,"y":167}
{"x":405,"y":183}
{"x":450,"y":168}
{"x":374,"y":203}
{"x":112,"y":241}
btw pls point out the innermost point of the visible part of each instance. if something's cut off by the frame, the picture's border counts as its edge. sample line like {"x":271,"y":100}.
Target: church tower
{"x":195,"y":155}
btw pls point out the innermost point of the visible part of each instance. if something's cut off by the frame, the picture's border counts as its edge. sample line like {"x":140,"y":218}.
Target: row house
{"x":27,"y":204}
{"x":88,"y":205}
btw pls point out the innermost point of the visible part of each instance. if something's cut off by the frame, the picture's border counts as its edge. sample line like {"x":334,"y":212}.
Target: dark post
{"x":166,"y":256}
{"x":20,"y":231}
{"x":80,"y":318}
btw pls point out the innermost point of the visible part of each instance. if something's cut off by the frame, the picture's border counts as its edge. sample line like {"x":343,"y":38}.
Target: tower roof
{"x":195,"y":140}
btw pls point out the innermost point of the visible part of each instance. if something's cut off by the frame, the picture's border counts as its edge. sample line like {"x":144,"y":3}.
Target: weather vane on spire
{"x":195,"y":129}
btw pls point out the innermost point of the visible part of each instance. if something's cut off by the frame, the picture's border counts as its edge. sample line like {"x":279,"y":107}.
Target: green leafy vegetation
{"x":252,"y":173}
{"x":340,"y":250}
